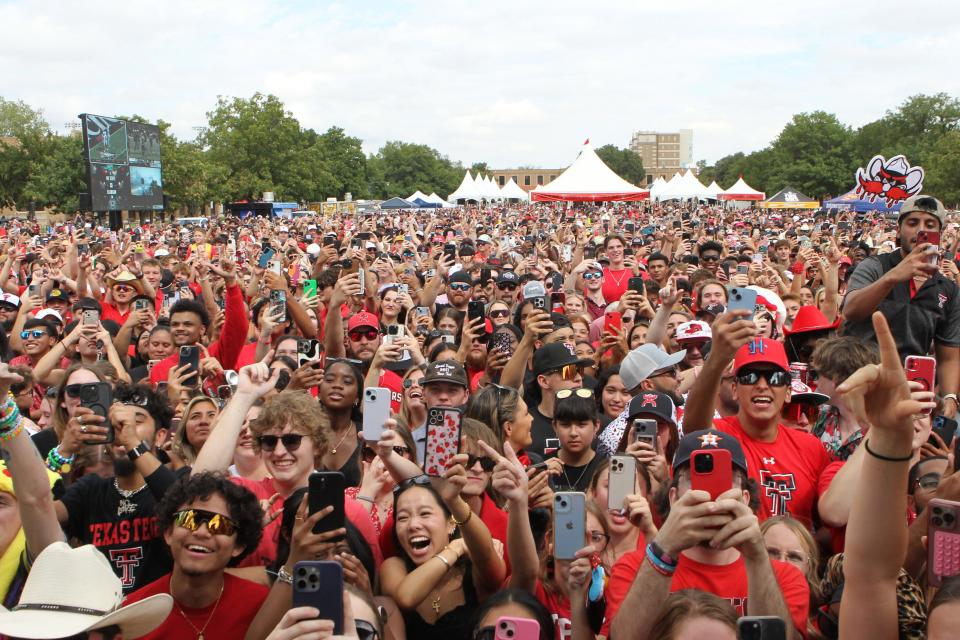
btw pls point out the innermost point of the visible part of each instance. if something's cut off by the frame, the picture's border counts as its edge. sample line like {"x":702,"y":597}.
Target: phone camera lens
{"x":937,"y":521}
{"x":704,"y":463}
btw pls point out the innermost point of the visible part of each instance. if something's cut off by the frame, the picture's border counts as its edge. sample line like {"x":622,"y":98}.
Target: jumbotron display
{"x":123,"y":164}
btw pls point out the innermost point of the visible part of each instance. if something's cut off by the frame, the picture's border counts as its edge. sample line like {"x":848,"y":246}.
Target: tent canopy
{"x":714,"y":190}
{"x":588,"y":179}
{"x":512,"y":191}
{"x":789,"y":198}
{"x":852,"y":202}
{"x":397,"y":203}
{"x":467,"y":189}
{"x":740,"y":190}
{"x":683,"y":187}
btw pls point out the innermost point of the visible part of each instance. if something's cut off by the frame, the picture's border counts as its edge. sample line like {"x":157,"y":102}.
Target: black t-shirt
{"x":542,"y":429}
{"x":125,"y":530}
{"x":575,"y":478}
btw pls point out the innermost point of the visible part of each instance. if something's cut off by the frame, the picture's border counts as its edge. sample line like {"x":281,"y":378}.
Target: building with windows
{"x":528,"y":179}
{"x":663,"y":154}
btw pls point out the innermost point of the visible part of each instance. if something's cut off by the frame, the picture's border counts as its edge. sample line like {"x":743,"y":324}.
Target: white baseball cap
{"x":694,"y":330}
{"x":50,"y":313}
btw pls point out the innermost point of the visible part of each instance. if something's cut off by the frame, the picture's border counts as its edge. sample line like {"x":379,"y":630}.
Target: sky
{"x":507,"y":83}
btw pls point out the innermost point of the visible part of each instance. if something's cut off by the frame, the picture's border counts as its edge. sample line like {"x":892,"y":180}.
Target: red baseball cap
{"x":363,"y":319}
{"x":761,"y":350}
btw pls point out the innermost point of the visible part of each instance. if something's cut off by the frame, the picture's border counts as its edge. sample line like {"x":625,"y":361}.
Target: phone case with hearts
{"x":443,"y":439}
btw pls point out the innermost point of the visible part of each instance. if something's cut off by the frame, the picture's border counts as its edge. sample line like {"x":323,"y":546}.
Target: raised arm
{"x":512,"y":375}
{"x":348,"y":285}
{"x":510,"y":481}
{"x":869,"y":285}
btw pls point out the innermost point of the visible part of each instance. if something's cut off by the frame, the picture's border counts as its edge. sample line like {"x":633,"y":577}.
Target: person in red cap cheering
{"x":787,"y":463}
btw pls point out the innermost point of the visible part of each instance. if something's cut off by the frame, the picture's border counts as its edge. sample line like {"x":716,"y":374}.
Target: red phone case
{"x":943,"y":541}
{"x":922,"y":369}
{"x":612,"y":322}
{"x":443,"y":439}
{"x":718,"y":479}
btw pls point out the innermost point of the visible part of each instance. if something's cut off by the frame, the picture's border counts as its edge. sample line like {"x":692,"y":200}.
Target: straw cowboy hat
{"x":70,"y":591}
{"x":125,"y":277}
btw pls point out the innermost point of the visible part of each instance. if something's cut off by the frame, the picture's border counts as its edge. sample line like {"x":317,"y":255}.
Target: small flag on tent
{"x":587,"y":141}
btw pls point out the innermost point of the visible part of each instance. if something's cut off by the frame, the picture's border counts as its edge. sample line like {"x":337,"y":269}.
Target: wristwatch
{"x":139,"y":450}
{"x":284,"y":576}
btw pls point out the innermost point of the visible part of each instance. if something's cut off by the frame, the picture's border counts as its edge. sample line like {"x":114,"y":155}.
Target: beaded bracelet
{"x":57,"y":463}
{"x":10,"y":434}
{"x":9,"y":424}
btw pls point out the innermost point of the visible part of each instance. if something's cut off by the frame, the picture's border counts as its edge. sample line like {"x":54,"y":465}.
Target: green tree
{"x":479,"y":167}
{"x":23,"y":136}
{"x":346,"y":163}
{"x":625,"y":163}
{"x":813,"y":153}
{"x":400,"y":168}
{"x":58,"y":174}
{"x":912,"y":129}
{"x":942,"y":166}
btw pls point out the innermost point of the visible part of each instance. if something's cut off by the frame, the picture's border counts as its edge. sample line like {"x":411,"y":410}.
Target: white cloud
{"x":503,"y":82}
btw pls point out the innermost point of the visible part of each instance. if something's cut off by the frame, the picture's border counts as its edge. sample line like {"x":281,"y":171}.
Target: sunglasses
{"x":36,"y":334}
{"x":366,"y":631}
{"x":369,"y":334}
{"x":929,"y":481}
{"x":122,"y":287}
{"x":72,"y":390}
{"x":568,"y":372}
{"x":775,"y":378}
{"x":369,"y":453}
{"x":580,"y":393}
{"x":193,"y":519}
{"x":416,"y":481}
{"x":710,"y":258}
{"x":672,"y":372}
{"x":793,"y":411}
{"x":410,"y":382}
{"x":291,"y":442}
{"x":500,"y":313}
{"x":486,"y":462}
{"x":350,"y":361}
{"x":507,"y":286}
{"x":459,"y":286}
{"x":593,"y":275}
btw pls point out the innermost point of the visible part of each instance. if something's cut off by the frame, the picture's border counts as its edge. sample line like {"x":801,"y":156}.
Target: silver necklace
{"x":126,"y":505}
{"x":573,"y":485}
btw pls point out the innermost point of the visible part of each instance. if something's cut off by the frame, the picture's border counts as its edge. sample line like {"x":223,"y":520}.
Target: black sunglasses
{"x":486,"y":462}
{"x":366,"y":631}
{"x":72,"y":390}
{"x":291,"y":441}
{"x":775,"y":378}
{"x":416,"y":481}
{"x":507,"y":286}
{"x":369,"y":453}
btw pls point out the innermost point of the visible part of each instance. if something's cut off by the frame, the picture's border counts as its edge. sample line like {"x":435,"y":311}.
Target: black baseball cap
{"x":709,"y":440}
{"x":555,"y":356}
{"x":653,"y":403}
{"x":508,"y":277}
{"x":462,"y":276}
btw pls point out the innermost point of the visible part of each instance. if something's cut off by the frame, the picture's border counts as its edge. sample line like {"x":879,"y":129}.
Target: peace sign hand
{"x":509,"y":477}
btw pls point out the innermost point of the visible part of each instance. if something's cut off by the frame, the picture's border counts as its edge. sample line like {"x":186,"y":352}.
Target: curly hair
{"x":191,"y":306}
{"x":144,"y":395}
{"x":299,"y":410}
{"x":244,"y":507}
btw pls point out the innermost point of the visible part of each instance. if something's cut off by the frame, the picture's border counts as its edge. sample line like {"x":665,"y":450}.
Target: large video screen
{"x":123,"y":164}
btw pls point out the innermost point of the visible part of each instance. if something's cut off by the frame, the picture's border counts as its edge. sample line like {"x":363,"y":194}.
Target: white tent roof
{"x":740,"y":190}
{"x":511,"y":190}
{"x":418,"y":194}
{"x":588,"y":179}
{"x":714,"y":189}
{"x":493,"y":191}
{"x":683,"y":187}
{"x":466,"y":191}
{"x":434,"y":198}
{"x":656,"y":186}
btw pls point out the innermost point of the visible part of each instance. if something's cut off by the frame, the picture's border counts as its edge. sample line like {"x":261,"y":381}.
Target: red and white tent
{"x":742,"y":191}
{"x":588,"y":179}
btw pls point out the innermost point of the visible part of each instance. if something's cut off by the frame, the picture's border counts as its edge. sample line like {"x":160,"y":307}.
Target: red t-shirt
{"x":787,"y":469}
{"x":266,"y":552}
{"x":110,"y":312}
{"x":559,"y":607}
{"x":615,"y":283}
{"x":227,"y":619}
{"x":725,"y":581}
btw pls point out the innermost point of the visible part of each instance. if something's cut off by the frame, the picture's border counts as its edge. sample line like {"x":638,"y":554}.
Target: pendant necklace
{"x":349,"y":429}
{"x":209,"y":618}
{"x":126,"y":505}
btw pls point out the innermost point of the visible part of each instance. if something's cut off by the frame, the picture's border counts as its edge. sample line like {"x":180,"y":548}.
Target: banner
{"x":892,"y":181}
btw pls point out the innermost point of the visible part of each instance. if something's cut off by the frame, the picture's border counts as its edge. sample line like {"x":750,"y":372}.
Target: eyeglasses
{"x":366,"y":631}
{"x":569,"y":372}
{"x":795,"y":557}
{"x":409,"y":383}
{"x":500,"y":313}
{"x":507,"y":286}
{"x":581,"y":393}
{"x":793,"y":411}
{"x":291,"y":442}
{"x":486,"y":462}
{"x":929,"y":481}
{"x":459,"y":286}
{"x":123,"y":287}
{"x":775,"y":378}
{"x":36,"y":334}
{"x":369,"y":453}
{"x":593,"y":275}
{"x":599,"y":539}
{"x":193,"y":519}
{"x":357,"y":334}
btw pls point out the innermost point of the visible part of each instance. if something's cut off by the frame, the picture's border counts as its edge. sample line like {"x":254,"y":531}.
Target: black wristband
{"x":139,"y":450}
{"x":866,"y":445}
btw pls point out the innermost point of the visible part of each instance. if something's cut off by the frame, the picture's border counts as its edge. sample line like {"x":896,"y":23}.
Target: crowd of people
{"x":534,"y":422}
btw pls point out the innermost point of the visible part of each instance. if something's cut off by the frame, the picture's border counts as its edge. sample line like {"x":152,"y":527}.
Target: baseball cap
{"x":461,"y":276}
{"x":799,"y":392}
{"x":923,"y":204}
{"x":484,"y":238}
{"x":653,"y":403}
{"x":50,"y":313}
{"x":534,"y":289}
{"x":58,"y":294}
{"x":556,"y":355}
{"x":363,"y":319}
{"x":694,"y":330}
{"x":709,"y":440}
{"x":760,"y":350}
{"x":508,"y":277}
{"x":445,"y":371}
{"x":10,"y":299}
{"x":644,"y":361}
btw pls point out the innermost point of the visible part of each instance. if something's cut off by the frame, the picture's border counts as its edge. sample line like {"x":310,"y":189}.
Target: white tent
{"x":491,"y":189}
{"x":417,"y":195}
{"x":512,"y":191}
{"x":466,"y":191}
{"x":656,"y":187}
{"x":740,"y":190}
{"x":714,"y":190}
{"x":435,"y":199}
{"x":588,"y":179}
{"x":683,"y":187}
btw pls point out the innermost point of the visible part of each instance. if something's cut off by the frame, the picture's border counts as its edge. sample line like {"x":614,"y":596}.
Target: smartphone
{"x":742,"y":298}
{"x":933,"y":237}
{"x":274,"y":265}
{"x":711,"y":471}
{"x":510,"y":628}
{"x":501,"y":342}
{"x":308,"y":350}
{"x":450,"y":249}
{"x":539,"y":302}
{"x":946,"y":428}
{"x":319,"y":584}
{"x":623,"y":481}
{"x":421,"y":312}
{"x":91,"y":317}
{"x":325,"y":489}
{"x":266,"y":257}
{"x":363,"y":281}
{"x":98,"y":396}
{"x":309,"y":288}
{"x":612,"y":322}
{"x":475,"y":309}
{"x":569,"y":524}
{"x":761,"y":628}
{"x":278,"y":304}
{"x":443,"y":439}
{"x":551,"y":446}
{"x":645,"y":430}
{"x":190,"y":355}
{"x":635,"y":284}
{"x":141,"y":304}
{"x":34,"y":290}
{"x":83,"y":249}
{"x":376,"y":411}
{"x":943,"y":541}
{"x":329,"y":241}
{"x":922,"y":369}
{"x":743,"y":269}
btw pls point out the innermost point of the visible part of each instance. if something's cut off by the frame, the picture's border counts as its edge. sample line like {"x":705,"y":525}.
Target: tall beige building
{"x":663,"y":154}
